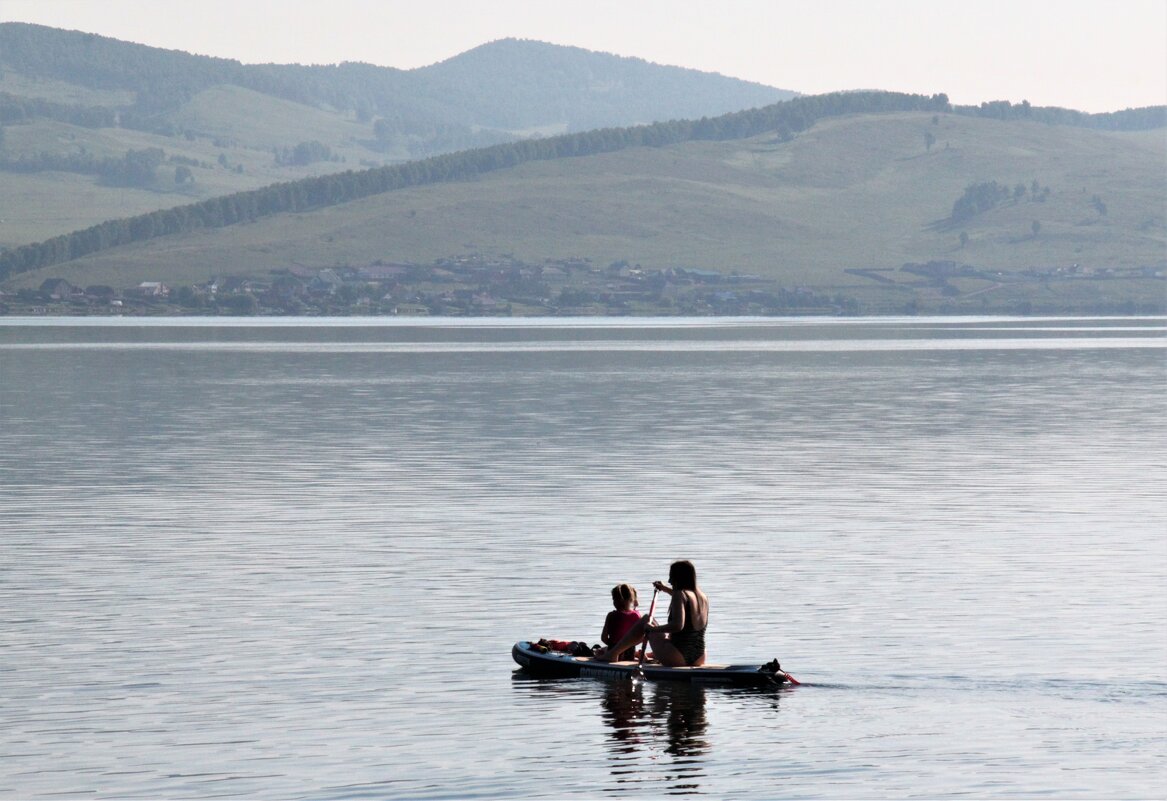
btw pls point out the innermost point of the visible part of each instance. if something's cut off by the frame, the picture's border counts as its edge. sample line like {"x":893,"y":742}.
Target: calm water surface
{"x":287,"y":559}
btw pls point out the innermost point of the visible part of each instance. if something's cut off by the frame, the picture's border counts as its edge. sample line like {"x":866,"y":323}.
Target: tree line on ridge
{"x":784,"y":119}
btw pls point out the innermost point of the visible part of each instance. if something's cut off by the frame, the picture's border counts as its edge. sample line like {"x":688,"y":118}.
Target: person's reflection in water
{"x":675,"y":710}
{"x":623,"y":711}
{"x":682,"y":706}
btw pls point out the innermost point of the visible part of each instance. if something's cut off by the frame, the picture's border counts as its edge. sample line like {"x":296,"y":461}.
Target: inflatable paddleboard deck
{"x":552,"y":664}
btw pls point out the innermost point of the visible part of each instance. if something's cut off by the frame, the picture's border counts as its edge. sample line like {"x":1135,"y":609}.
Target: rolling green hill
{"x":68,"y":99}
{"x":840,"y":207}
{"x":121,"y":163}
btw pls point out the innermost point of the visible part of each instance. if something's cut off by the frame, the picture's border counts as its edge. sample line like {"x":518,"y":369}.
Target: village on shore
{"x":465,"y":285}
{"x":479,"y":286}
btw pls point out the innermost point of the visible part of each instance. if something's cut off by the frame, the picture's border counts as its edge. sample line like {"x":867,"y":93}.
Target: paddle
{"x":644,"y":642}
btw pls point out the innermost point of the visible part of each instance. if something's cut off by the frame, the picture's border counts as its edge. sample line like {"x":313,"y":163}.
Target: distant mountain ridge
{"x":596,"y":84}
{"x":494,"y":92}
{"x":121,"y":161}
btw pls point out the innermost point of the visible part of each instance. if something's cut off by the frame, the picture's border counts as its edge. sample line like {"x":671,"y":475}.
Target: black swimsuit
{"x":689,"y":641}
{"x":691,"y":644}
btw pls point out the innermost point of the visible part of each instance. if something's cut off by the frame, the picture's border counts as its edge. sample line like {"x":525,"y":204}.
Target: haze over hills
{"x":864,"y":186}
{"x":73,"y":103}
{"x":828,"y":193}
{"x":506,"y":87}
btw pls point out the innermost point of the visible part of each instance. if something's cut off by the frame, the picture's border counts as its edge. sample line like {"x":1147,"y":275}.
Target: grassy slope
{"x":264,"y":122}
{"x":851,"y":192}
{"x":241,"y":125}
{"x":508,"y":78}
{"x":12,"y":82}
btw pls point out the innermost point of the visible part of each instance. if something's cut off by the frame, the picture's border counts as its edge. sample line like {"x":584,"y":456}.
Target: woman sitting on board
{"x":681,"y":641}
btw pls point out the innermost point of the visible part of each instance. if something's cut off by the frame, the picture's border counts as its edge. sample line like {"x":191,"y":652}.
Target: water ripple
{"x":289,"y":563}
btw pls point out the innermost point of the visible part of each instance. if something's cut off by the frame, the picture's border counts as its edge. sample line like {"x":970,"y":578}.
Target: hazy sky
{"x":1092,"y":55}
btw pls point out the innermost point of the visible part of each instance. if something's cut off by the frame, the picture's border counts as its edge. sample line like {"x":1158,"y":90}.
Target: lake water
{"x":288,"y":558}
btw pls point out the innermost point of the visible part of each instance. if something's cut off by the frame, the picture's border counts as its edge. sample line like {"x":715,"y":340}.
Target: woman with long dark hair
{"x":681,"y":641}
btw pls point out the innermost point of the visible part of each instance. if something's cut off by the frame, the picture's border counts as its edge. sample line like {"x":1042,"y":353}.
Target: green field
{"x":849,"y":197}
{"x":233,"y":151}
{"x":225,"y":127}
{"x":852,"y":192}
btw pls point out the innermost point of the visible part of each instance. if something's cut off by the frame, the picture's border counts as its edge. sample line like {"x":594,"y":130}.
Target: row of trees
{"x":1136,"y":119}
{"x":16,"y":109}
{"x":135,"y":168}
{"x":313,"y":193}
{"x":784,"y":119}
{"x":139,"y":167}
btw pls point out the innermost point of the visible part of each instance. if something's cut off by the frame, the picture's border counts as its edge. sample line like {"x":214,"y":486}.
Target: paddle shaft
{"x":644,"y":642}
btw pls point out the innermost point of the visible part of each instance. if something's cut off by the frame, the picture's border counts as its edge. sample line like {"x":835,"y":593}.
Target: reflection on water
{"x":648,"y":720}
{"x":623,"y":710}
{"x":682,"y":708}
{"x":657,"y":734}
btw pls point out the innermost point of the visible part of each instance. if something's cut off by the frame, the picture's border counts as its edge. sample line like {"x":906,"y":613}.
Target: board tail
{"x":778,"y":675}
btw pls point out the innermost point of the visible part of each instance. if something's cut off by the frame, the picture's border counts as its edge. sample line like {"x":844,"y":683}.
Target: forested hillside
{"x":92,"y":128}
{"x":124,"y":163}
{"x":782,"y":119}
{"x":857,"y":201}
